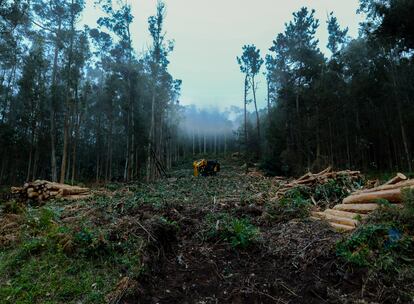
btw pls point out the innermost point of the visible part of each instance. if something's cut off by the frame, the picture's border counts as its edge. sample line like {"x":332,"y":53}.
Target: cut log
{"x":357,"y":208}
{"x":350,"y":215}
{"x":336,"y":219}
{"x":392,"y":195}
{"x":327,"y":170}
{"x":341,"y":227}
{"x":16,"y":190}
{"x":315,"y":218}
{"x":306,"y":176}
{"x":41,"y":190}
{"x":402,"y":184}
{"x":74,"y":191}
{"x":349,"y":172}
{"x":398,"y":178}
{"x":32,"y":194}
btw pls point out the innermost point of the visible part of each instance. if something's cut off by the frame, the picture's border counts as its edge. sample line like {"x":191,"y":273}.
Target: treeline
{"x":352,"y":110}
{"x":78,"y":103}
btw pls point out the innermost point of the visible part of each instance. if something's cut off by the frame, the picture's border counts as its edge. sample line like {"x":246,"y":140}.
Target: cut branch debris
{"x":311,"y":180}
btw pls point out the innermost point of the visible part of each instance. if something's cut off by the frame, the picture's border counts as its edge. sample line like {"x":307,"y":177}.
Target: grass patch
{"x":53,"y":277}
{"x":65,"y":263}
{"x":240,"y":233}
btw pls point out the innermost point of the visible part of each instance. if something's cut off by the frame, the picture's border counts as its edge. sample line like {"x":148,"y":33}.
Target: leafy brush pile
{"x":334,"y":190}
{"x":295,"y":204}
{"x":325,"y":189}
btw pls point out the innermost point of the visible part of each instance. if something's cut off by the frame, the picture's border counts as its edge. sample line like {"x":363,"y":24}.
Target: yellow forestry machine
{"x":206,"y":167}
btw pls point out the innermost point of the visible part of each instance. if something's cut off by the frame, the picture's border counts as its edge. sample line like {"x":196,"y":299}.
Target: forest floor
{"x":183,"y":240}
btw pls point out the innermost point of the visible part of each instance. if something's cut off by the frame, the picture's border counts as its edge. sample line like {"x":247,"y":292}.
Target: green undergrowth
{"x":52,"y":277}
{"x":55,"y":262}
{"x":187,"y":190}
{"x":294,"y":204}
{"x":239,"y":232}
{"x":385,"y":242}
{"x":79,"y":256}
{"x":13,"y":207}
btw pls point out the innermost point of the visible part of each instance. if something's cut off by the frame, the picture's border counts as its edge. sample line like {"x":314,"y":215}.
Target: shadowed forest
{"x":80,"y":103}
{"x":98,"y":199}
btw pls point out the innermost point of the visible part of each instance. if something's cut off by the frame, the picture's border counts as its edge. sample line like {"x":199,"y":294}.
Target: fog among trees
{"x":79,"y":103}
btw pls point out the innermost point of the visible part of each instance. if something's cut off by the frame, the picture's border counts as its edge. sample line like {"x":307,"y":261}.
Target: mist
{"x":207,"y":130}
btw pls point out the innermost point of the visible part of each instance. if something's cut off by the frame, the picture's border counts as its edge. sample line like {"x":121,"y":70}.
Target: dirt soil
{"x":292,"y":258}
{"x":293,"y":261}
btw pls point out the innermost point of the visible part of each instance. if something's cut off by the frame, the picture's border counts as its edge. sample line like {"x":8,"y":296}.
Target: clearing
{"x":182,"y":240}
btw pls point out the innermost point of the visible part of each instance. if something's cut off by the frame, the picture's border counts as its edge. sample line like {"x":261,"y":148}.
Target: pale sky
{"x":210,"y":34}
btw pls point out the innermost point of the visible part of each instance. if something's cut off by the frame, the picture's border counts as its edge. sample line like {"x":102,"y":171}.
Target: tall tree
{"x":158,"y":63}
{"x":250,"y":63}
{"x":337,"y":37}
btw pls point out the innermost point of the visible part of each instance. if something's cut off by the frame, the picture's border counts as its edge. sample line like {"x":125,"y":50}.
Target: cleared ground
{"x":182,"y":240}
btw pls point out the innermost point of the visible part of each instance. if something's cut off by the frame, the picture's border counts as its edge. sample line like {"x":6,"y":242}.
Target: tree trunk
{"x":3,"y":168}
{"x":75,"y":145}
{"x":193,"y":143}
{"x":257,"y":114}
{"x":52,"y":108}
{"x":97,"y":147}
{"x":68,"y":84}
{"x":215,"y":143}
{"x":404,"y":137}
{"x":199,"y":141}
{"x":29,"y":166}
{"x":225,"y":144}
{"x":65,"y":150}
{"x":268,"y":99}
{"x":245,"y":113}
{"x":150,"y":138}
{"x":36,"y":161}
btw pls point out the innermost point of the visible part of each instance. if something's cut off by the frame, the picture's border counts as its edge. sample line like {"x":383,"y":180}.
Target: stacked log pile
{"x":42,"y":190}
{"x":346,"y":216}
{"x":312,"y":180}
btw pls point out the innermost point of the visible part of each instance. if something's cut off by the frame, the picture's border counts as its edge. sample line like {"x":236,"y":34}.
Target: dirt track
{"x":293,"y":261}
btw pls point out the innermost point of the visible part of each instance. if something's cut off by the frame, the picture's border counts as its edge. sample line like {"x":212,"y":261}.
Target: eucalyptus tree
{"x":53,"y":18}
{"x":118,"y":20}
{"x":250,"y":64}
{"x":31,"y":101}
{"x":14,"y":22}
{"x":103,"y":105}
{"x":74,"y":63}
{"x":158,"y":63}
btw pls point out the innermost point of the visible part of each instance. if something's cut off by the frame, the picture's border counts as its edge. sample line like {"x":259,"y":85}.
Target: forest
{"x":115,"y":188}
{"x":79,"y":102}
{"x":351,"y":110}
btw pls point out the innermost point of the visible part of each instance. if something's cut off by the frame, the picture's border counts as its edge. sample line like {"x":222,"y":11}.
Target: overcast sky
{"x":210,"y":34}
